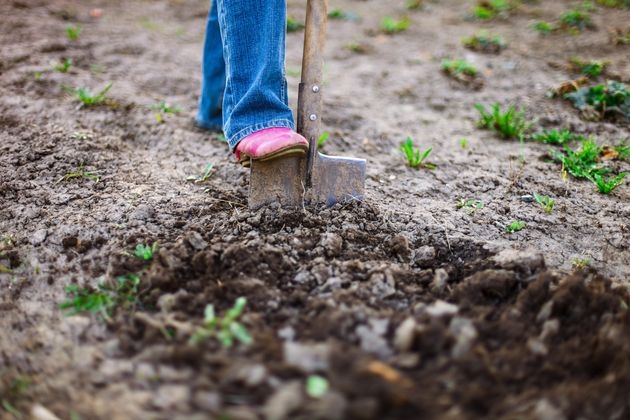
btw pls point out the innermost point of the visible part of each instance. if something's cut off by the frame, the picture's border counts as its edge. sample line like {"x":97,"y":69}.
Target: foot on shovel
{"x":270,"y":143}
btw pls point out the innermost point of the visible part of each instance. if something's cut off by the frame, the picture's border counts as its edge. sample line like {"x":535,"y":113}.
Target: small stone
{"x":172,"y":397}
{"x":526,"y":262}
{"x":196,"y":241}
{"x":284,"y":401}
{"x":373,"y":342}
{"x":404,"y":335}
{"x":307,"y":357}
{"x":527,"y":198}
{"x":549,"y":329}
{"x":545,"y":312}
{"x":39,"y":412}
{"x":545,"y":410}
{"x":537,"y":347}
{"x":424,"y":255}
{"x":287,"y":333}
{"x":332,"y":244}
{"x":407,"y":360}
{"x":440,"y":280}
{"x":399,"y":245}
{"x":465,"y":333}
{"x":441,"y":308}
{"x":142,"y":212}
{"x":302,"y":277}
{"x":383,"y":284}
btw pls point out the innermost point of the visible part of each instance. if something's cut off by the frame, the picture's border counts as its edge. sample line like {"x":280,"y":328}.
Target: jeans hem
{"x":234,"y":139}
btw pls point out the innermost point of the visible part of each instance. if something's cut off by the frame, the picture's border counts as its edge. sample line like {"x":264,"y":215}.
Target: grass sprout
{"x":145,"y":252}
{"x":80,"y":173}
{"x":415,"y":157}
{"x":73,"y":32}
{"x":509,"y":124}
{"x":485,"y":42}
{"x":604,"y":184}
{"x":489,"y":9}
{"x":590,"y":68}
{"x":88,"y":98}
{"x":602,"y":100}
{"x":515,"y":226}
{"x":557,"y":136}
{"x":64,"y":66}
{"x":227,"y":329}
{"x":547,"y":203}
{"x":294,"y":25}
{"x":470,"y":205}
{"x":207,"y":171}
{"x":322,"y":139}
{"x":458,"y":67}
{"x":390,"y":26}
{"x":162,"y":108}
{"x":543,"y":27}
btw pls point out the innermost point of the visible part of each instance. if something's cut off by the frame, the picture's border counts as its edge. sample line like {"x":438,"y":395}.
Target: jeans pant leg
{"x":254,"y":35}
{"x":209,"y":114}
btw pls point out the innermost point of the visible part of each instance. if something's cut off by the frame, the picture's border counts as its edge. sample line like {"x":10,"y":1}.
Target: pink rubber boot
{"x":270,"y":143}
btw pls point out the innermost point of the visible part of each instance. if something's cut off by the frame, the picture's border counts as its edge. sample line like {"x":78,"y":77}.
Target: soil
{"x":409,"y":306}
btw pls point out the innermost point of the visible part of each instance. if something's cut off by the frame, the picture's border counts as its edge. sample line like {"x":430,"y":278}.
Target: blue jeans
{"x":244,"y":88}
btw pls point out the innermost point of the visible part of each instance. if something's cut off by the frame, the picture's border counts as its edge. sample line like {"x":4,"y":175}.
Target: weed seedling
{"x":145,"y":252}
{"x":515,"y":226}
{"x":73,"y":32}
{"x":580,"y":263}
{"x":294,"y":25}
{"x":471,"y":205}
{"x":510,"y":124}
{"x":339,"y":13}
{"x":64,"y":66}
{"x":415,"y":157}
{"x":489,"y":9}
{"x":163,"y":107}
{"x":204,"y":176}
{"x":463,"y":143}
{"x":484,"y":42}
{"x":226,"y":329}
{"x":590,"y":68}
{"x":80,"y":173}
{"x":606,"y":184}
{"x":581,"y":163}
{"x":88,"y":98}
{"x":543,"y":27}
{"x":391,"y":26}
{"x":576,"y":20}
{"x":622,"y":151}
{"x":322,"y":139}
{"x":602,"y":100}
{"x":545,"y":202}
{"x":459,"y":67}
{"x":103,"y":299}
{"x":556,"y":136}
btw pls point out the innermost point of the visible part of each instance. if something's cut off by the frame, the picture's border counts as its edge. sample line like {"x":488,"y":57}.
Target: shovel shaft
{"x":310,"y":90}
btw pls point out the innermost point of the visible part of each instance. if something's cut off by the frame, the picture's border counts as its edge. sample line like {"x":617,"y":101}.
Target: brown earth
{"x":410,"y":307}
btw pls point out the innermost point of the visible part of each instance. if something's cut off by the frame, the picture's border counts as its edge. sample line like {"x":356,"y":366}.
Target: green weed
{"x":515,"y":226}
{"x":294,"y":25}
{"x":391,"y":26}
{"x":80,"y":173}
{"x":227,"y":329}
{"x":163,"y":107}
{"x":580,"y":263}
{"x":73,"y":32}
{"x":543,"y":27}
{"x":64,"y":66}
{"x":470,"y":205}
{"x":602,"y":100}
{"x":145,"y":252}
{"x":322,"y":139}
{"x":88,"y":98}
{"x":614,"y":3}
{"x":459,"y":67}
{"x":604,"y":184}
{"x":484,"y":42}
{"x":576,"y":20}
{"x":581,"y":163}
{"x":415,"y":157}
{"x":463,"y":143}
{"x":489,"y":9}
{"x":622,"y":150}
{"x":547,"y":203}
{"x":590,"y":68}
{"x":204,"y":176}
{"x":38,"y":76}
{"x":557,"y":136}
{"x":339,"y":13}
{"x":103,"y":300}
{"x":509,"y":124}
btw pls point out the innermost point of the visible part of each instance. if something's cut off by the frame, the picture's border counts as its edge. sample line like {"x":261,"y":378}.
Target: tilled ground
{"x":409,"y":307}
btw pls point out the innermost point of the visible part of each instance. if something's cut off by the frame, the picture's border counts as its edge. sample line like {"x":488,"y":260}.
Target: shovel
{"x":317,"y":178}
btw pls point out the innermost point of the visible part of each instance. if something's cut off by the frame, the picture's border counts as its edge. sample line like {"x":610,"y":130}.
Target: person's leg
{"x":209,"y":114}
{"x":253,"y":34}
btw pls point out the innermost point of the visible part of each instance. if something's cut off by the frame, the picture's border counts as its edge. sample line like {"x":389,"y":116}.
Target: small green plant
{"x":294,"y":25}
{"x":581,"y":163}
{"x":316,"y":386}
{"x":485,"y":42}
{"x":145,"y":252}
{"x":339,"y":13}
{"x":622,"y":150}
{"x":604,"y":184}
{"x":415,"y":157}
{"x":226,"y":329}
{"x":547,"y":203}
{"x":322,"y":139}
{"x":602,"y":100}
{"x":557,"y":136}
{"x":470,"y":205}
{"x":38,"y":76}
{"x":580,"y":263}
{"x":73,"y":32}
{"x":64,"y":66}
{"x":463,"y":143}
{"x":509,"y":124}
{"x":103,"y":300}
{"x":88,"y":98}
{"x":576,"y":20}
{"x":590,"y":68}
{"x":515,"y":226}
{"x":390,"y":26}
{"x":80,"y":173}
{"x":207,"y":171}
{"x":543,"y":27}
{"x":489,"y":9}
{"x":459,"y":67}
{"x":414,"y":4}
{"x":163,"y":107}
{"x":614,"y":3}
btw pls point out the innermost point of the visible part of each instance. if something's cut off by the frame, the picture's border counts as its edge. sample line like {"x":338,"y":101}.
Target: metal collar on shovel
{"x":299,"y":181}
